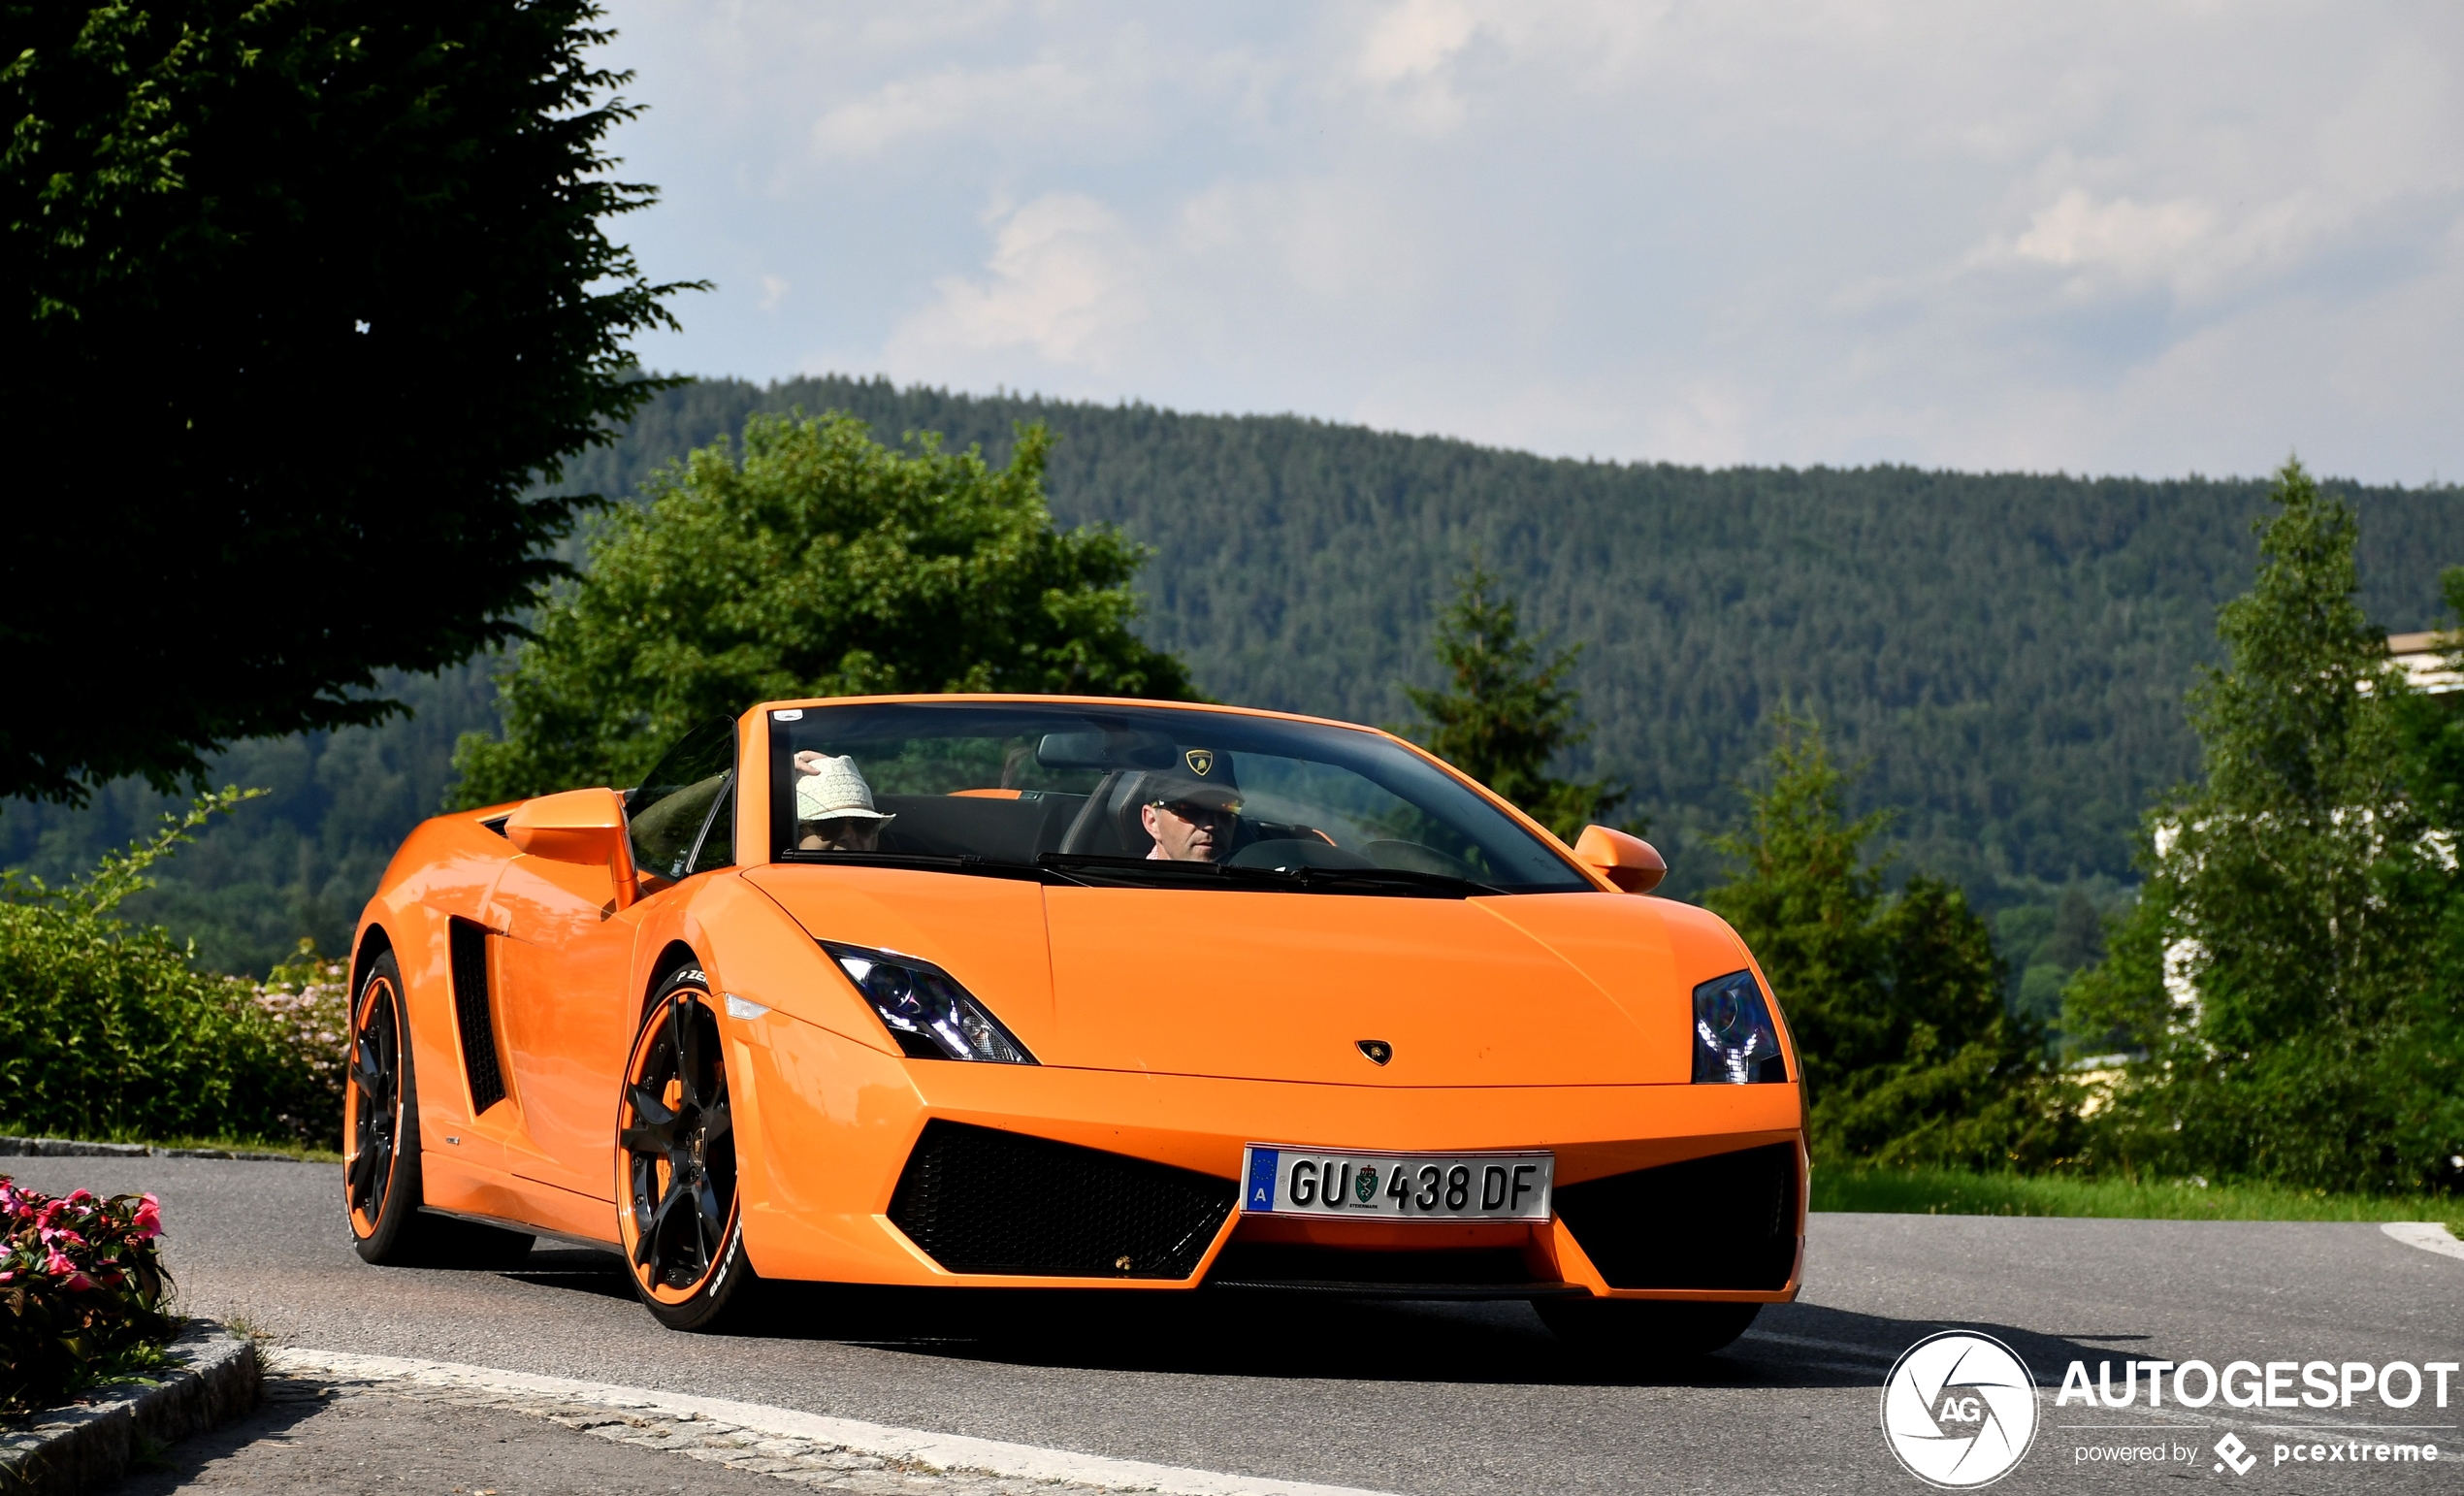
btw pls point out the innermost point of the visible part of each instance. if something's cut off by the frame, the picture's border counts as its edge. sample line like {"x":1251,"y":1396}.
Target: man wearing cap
{"x":1190,"y":808}
{"x":835,"y":806}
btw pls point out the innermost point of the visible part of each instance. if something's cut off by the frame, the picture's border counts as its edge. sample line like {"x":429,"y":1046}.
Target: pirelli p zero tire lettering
{"x":1645,"y":1331}
{"x":380,"y":1121}
{"x":677,"y":1210}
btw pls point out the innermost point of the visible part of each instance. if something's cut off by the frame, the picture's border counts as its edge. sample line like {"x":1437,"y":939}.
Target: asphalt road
{"x":1418,"y":1398}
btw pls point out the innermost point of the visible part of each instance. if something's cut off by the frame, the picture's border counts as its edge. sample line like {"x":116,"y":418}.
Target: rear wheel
{"x":1645,"y":1331}
{"x":380,"y":1121}
{"x":678,"y":1213}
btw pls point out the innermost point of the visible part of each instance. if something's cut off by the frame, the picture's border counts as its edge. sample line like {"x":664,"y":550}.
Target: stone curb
{"x":71,"y":1148}
{"x":804,"y":1448}
{"x":88,"y":1447}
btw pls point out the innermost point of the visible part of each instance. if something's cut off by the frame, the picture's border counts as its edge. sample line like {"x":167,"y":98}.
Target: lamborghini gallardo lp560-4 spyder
{"x":1058,"y":993}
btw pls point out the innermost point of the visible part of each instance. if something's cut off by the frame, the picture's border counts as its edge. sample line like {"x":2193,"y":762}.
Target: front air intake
{"x":980,"y":1200}
{"x":1726,"y":1221}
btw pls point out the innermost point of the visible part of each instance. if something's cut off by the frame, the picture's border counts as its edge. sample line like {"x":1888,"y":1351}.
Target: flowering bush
{"x":107,"y":1030}
{"x":81,"y":1288}
{"x":308,"y":1000}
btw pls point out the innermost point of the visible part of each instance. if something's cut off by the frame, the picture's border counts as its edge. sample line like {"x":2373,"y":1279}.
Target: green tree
{"x":313,"y":297}
{"x":1506,"y":714}
{"x":1894,"y":1000}
{"x":821,"y":564}
{"x":2275,"y":970}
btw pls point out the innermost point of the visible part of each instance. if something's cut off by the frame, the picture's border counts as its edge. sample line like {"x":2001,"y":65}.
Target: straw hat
{"x":835,"y":791}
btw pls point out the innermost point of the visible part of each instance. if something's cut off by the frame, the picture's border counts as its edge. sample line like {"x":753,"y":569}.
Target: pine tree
{"x":1894,"y":1000}
{"x":1507,"y":713}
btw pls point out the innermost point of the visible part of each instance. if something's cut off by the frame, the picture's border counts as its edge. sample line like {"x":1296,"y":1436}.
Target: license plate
{"x":1322,"y":1182}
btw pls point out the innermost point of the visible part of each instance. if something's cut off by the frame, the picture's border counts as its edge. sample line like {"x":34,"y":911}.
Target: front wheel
{"x":679,"y":1215}
{"x":1645,"y":1331}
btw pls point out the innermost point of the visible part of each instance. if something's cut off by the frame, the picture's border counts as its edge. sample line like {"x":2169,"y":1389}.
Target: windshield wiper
{"x":1311,"y":880}
{"x":925,"y":862}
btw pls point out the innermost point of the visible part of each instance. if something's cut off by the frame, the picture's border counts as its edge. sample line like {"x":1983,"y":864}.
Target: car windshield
{"x":1153,"y":796}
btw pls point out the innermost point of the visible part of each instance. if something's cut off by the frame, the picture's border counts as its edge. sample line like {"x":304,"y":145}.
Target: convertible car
{"x":1059,"y":993}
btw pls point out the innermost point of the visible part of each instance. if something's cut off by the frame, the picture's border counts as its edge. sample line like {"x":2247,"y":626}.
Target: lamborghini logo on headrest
{"x":1201,"y":761}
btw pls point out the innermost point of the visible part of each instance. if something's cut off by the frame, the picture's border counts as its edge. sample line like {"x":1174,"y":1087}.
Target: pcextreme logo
{"x":1958,"y":1409}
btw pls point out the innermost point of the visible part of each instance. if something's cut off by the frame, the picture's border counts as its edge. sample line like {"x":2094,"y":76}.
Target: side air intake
{"x":1726,"y":1221}
{"x":980,"y":1200}
{"x":470,"y":1015}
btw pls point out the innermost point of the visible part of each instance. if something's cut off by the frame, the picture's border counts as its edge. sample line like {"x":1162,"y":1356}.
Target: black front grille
{"x":1726,"y":1221}
{"x":980,"y":1200}
{"x":469,"y":952}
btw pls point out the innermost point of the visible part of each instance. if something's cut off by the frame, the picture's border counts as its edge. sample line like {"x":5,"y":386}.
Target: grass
{"x":1955,"y":1192}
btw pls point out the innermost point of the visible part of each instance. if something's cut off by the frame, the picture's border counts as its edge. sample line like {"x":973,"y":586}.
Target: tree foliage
{"x":308,"y":295}
{"x":2275,"y":970}
{"x":819,"y":564}
{"x":1895,"y":1000}
{"x":2006,"y":652}
{"x":1506,"y":714}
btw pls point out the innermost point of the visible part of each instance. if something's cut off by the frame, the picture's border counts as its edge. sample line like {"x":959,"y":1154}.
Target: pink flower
{"x":149,"y":1220}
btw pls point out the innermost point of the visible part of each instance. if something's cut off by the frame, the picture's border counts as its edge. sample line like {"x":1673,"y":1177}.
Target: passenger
{"x":835,"y":806}
{"x":1191,"y":812}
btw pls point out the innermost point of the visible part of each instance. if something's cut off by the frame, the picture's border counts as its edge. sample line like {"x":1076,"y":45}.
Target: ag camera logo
{"x":1958,"y":1409}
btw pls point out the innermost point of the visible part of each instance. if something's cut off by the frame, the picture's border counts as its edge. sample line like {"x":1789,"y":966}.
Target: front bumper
{"x":832,"y":1131}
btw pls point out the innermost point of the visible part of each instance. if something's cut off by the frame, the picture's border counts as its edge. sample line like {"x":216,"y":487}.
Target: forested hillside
{"x":2006,"y":652}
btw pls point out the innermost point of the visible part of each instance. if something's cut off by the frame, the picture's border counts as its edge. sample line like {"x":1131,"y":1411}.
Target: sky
{"x":2150,"y":237}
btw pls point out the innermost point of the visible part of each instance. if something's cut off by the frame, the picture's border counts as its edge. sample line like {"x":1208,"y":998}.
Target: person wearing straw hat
{"x":835,"y":806}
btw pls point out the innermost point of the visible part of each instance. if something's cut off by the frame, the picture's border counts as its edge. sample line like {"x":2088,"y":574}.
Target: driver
{"x":835,"y":806}
{"x":1190,"y":808}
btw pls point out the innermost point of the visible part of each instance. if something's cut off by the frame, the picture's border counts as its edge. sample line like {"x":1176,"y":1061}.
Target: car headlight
{"x":925,"y":1009}
{"x":1734,"y":1041}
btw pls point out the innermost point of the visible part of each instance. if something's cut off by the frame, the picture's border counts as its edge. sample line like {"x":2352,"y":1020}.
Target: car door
{"x":568,"y":958}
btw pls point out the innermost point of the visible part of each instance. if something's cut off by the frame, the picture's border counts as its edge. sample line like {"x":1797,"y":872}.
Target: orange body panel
{"x":1170,"y":1025}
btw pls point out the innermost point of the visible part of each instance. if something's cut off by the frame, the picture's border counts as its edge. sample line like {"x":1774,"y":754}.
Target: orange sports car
{"x":1063,"y":992}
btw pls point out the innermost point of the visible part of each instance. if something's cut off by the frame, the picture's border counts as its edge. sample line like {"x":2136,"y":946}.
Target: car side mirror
{"x":1628,"y":861}
{"x":586,"y":827}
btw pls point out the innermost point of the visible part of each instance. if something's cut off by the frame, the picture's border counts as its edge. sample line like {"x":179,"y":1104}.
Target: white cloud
{"x":1063,"y":285}
{"x":2120,"y":233}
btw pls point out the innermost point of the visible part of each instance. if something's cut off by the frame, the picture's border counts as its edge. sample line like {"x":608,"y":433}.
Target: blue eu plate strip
{"x":1262,"y":1162}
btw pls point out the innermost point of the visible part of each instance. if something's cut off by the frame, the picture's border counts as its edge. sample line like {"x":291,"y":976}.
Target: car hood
{"x":1572,"y":988}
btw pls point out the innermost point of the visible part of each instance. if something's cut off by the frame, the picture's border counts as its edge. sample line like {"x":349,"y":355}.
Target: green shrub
{"x":112,"y":1030}
{"x":81,"y":1287}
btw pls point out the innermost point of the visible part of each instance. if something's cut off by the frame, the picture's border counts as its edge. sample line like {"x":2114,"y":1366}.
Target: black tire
{"x":1645,"y":1331}
{"x":680,"y":1216}
{"x":381,"y":1192}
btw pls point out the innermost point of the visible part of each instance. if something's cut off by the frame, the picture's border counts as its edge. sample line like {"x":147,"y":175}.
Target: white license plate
{"x":1323,"y":1182}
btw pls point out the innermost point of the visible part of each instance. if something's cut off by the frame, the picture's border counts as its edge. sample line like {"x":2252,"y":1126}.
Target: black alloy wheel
{"x":682,"y":1224}
{"x":380,"y":1184}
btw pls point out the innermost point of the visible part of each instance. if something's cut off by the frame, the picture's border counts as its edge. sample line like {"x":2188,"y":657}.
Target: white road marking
{"x":2428,"y":1235}
{"x":946,"y":1451}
